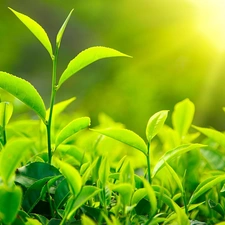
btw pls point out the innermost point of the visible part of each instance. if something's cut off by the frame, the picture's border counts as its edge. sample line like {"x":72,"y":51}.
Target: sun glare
{"x":211,"y":21}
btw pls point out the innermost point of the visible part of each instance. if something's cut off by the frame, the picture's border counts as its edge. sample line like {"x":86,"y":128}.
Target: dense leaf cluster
{"x":58,"y":171}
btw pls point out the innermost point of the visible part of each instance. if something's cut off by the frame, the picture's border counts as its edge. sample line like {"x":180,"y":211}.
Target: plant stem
{"x":149,"y":164}
{"x":52,"y":101}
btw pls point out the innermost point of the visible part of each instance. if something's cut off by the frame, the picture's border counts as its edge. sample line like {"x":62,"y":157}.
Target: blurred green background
{"x":177,"y":47}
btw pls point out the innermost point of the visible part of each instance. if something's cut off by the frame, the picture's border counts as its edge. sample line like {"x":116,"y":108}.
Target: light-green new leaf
{"x":36,"y":29}
{"x":72,"y":176}
{"x":72,"y":128}
{"x":24,"y":91}
{"x":182,"y":116}
{"x":62,"y":29}
{"x":155,"y":123}
{"x":205,"y":186}
{"x":11,"y":157}
{"x":213,"y":134}
{"x":125,"y":136}
{"x":174,"y":153}
{"x":6,"y":110}
{"x":87,"y":57}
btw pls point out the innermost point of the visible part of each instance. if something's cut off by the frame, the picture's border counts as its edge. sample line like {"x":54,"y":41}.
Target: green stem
{"x":52,"y":101}
{"x":149,"y":163}
{"x":185,"y":203}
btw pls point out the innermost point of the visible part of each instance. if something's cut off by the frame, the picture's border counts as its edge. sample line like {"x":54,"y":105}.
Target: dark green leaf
{"x":32,"y":172}
{"x":33,"y":194}
{"x":217,"y":207}
{"x":61,"y":193}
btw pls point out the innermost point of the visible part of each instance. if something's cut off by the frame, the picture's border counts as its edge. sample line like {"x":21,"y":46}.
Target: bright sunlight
{"x":211,"y":21}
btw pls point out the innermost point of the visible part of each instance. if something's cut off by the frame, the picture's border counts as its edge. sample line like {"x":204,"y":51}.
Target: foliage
{"x":57,"y":171}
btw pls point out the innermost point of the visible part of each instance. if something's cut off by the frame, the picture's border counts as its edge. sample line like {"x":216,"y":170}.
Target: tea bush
{"x":57,"y":171}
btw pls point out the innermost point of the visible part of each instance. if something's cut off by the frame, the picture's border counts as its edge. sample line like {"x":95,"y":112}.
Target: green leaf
{"x":126,"y":191}
{"x":10,"y":203}
{"x":11,"y":157}
{"x":182,"y":116}
{"x":72,"y":176}
{"x":217,"y":207}
{"x":32,"y":172}
{"x":152,"y":198}
{"x":6,"y":110}
{"x":138,"y":195}
{"x":72,"y":128}
{"x":182,"y":218}
{"x":201,"y":189}
{"x":174,"y":153}
{"x":36,"y":29}
{"x":87,"y":57}
{"x":72,"y":150}
{"x":125,"y":136}
{"x":59,"y":107}
{"x":24,"y":91}
{"x":33,"y":194}
{"x":86,"y":193}
{"x":61,"y":193}
{"x":103,"y":172}
{"x":31,"y":221}
{"x":213,"y":134}
{"x":86,"y":220}
{"x":175,"y":177}
{"x":155,"y":123}
{"x":62,"y":29}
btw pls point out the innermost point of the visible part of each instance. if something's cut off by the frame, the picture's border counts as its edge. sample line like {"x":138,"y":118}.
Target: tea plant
{"x":59,"y":172}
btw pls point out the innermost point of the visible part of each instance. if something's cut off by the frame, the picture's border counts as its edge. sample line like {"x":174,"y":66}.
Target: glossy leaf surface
{"x":62,"y":29}
{"x":155,"y":123}
{"x":125,"y":136}
{"x":72,"y":176}
{"x":87,"y":57}
{"x":32,"y":172}
{"x":6,"y":110}
{"x":72,"y":128}
{"x":24,"y":91}
{"x":182,"y":116}
{"x":36,"y":29}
